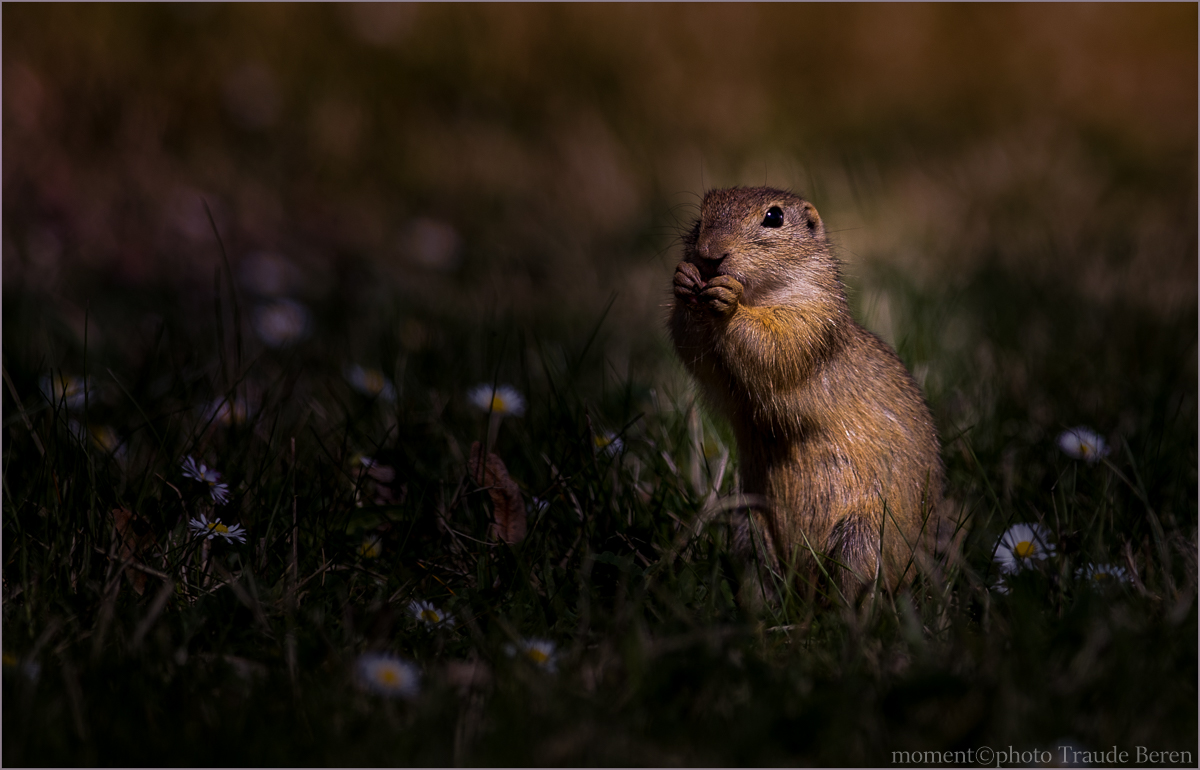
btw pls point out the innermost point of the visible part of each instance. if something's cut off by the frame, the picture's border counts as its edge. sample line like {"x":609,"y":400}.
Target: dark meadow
{"x":324,"y":249}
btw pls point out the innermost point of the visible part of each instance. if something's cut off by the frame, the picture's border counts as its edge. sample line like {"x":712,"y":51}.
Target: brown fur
{"x":831,"y":429}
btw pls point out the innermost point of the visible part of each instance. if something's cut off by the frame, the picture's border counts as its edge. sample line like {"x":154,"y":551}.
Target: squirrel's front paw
{"x":688,"y":283}
{"x":722,"y":295}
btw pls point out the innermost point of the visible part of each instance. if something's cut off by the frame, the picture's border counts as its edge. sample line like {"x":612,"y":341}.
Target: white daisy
{"x":384,"y":474}
{"x":210,"y":529}
{"x":377,"y":483}
{"x":372,"y":547}
{"x":198,"y":471}
{"x":69,"y":391}
{"x":225,"y":412}
{"x":504,"y":400}
{"x":430,"y":615}
{"x":537,"y":505}
{"x":539,"y":651}
{"x":202,"y":473}
{"x":106,"y":438}
{"x":388,"y":675}
{"x":1083,"y":444}
{"x":30,"y":669}
{"x":281,"y":322}
{"x":1103,"y":574}
{"x":370,"y":382}
{"x":608,"y":443}
{"x":76,"y":429}
{"x":1021,"y":544}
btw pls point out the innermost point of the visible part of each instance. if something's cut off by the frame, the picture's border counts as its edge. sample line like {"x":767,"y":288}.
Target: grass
{"x":245,"y":654}
{"x":462,"y":195}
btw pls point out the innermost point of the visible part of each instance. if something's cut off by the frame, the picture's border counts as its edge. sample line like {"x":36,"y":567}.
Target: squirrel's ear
{"x":813,"y":219}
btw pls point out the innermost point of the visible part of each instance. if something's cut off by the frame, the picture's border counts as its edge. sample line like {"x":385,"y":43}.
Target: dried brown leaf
{"x":507,"y":504}
{"x":134,"y":537}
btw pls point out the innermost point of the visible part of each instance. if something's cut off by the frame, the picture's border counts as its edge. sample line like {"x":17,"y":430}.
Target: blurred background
{"x":229,"y":218}
{"x":397,"y":170}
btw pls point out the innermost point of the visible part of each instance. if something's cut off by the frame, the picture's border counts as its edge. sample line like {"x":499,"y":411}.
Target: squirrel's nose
{"x":712,"y":251}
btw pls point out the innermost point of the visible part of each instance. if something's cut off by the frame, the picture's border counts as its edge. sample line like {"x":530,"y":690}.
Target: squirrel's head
{"x":771,"y":241}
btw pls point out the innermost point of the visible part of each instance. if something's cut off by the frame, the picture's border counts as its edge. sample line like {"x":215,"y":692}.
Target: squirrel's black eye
{"x":774,"y":217}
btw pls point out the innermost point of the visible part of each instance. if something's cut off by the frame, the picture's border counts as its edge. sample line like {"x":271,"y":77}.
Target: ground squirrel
{"x":834,"y":438}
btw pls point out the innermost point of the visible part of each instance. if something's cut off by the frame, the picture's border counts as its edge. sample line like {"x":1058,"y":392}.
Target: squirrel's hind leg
{"x":852,"y":552}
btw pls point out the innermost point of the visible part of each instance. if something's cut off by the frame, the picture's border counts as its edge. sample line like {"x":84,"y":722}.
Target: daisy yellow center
{"x":498,"y":403}
{"x":105,"y":438}
{"x":429,"y":616}
{"x":537,"y":656}
{"x":602,"y":441}
{"x":1025,"y":549}
{"x":373,"y":381}
{"x":389,"y":676}
{"x":10,"y":659}
{"x":219,"y":528}
{"x":1101,"y":576}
